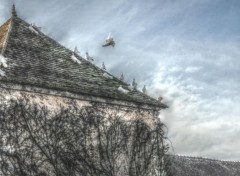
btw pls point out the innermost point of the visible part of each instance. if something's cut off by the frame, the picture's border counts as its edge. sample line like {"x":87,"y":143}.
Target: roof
{"x":35,"y":59}
{"x":196,"y":166}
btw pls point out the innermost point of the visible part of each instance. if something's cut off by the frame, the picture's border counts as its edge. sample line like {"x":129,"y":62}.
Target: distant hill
{"x":197,"y":166}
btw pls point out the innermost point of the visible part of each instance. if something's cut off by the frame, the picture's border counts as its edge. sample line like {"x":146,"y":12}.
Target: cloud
{"x":192,"y":69}
{"x":200,"y":97}
{"x":186,"y":51}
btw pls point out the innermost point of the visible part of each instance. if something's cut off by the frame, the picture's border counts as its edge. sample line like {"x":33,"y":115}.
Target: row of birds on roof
{"x":110,"y":42}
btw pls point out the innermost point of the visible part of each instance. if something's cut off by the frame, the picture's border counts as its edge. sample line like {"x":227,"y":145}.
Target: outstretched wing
{"x":109,"y":36}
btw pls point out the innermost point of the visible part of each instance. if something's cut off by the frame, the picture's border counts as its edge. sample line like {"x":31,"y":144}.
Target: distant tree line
{"x":73,"y":141}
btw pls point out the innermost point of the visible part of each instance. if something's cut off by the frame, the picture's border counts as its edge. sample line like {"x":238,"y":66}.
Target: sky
{"x":187,"y":51}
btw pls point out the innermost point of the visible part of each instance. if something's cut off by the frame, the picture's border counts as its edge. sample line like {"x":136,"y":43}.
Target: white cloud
{"x":192,"y":69}
{"x":176,"y":48}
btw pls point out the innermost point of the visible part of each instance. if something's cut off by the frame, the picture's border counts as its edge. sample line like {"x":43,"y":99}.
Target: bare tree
{"x":87,"y":141}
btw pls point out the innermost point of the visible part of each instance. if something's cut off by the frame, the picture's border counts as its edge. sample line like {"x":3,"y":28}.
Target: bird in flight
{"x":109,"y":41}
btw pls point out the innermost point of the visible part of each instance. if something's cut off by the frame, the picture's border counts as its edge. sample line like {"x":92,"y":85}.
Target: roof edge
{"x":38,"y":90}
{"x":204,"y":158}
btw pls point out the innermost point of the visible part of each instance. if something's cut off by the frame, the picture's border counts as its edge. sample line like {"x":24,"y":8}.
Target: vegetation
{"x":86,"y":141}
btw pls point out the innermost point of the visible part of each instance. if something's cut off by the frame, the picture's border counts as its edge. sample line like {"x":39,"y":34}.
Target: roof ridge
{"x":43,"y":33}
{"x":204,"y":158}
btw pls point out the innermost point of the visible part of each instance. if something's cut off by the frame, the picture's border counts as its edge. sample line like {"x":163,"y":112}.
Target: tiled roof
{"x":197,"y":166}
{"x":35,"y":59}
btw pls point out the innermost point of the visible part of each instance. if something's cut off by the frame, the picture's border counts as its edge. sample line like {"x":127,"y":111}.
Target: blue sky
{"x":187,"y":51}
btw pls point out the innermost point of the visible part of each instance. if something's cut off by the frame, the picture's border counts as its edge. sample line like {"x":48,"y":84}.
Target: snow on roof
{"x":33,"y":30}
{"x":3,"y":61}
{"x":107,"y":76}
{"x":73,"y":57}
{"x":2,"y":73}
{"x":121,"y":89}
{"x":131,"y":87}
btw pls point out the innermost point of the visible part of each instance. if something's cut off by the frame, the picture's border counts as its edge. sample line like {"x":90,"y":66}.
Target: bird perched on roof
{"x":88,"y":58}
{"x":103,"y":66}
{"x":109,"y":41}
{"x":121,"y":77}
{"x":160,"y":99}
{"x":76,"y":51}
{"x":134,"y":84}
{"x":144,"y":90}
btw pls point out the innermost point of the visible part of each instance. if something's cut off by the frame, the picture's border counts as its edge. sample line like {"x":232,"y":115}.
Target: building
{"x":34,"y":64}
{"x":197,"y":166}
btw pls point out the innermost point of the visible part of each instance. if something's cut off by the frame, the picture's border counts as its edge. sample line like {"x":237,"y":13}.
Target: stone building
{"x":36,"y":65}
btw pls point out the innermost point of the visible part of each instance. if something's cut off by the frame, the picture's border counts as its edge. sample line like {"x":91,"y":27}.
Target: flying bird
{"x":109,"y":41}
